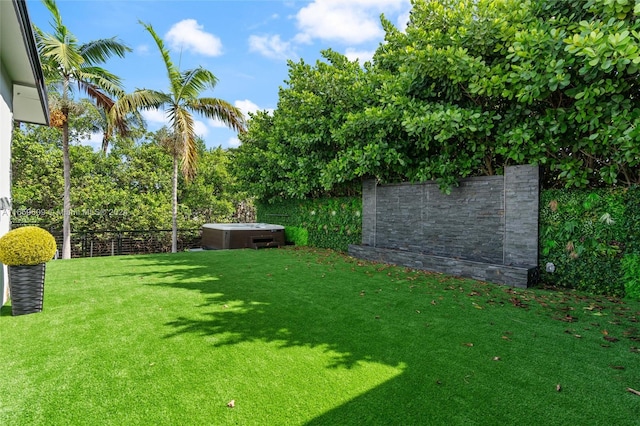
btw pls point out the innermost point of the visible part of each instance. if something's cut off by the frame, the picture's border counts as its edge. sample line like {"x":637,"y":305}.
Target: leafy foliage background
{"x":330,"y":222}
{"x":127,"y":189}
{"x":469,"y":87}
{"x":592,"y":236}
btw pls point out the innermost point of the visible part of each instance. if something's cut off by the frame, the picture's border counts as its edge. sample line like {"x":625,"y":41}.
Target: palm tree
{"x":113,"y":124}
{"x":180,"y":103}
{"x":65,"y":63}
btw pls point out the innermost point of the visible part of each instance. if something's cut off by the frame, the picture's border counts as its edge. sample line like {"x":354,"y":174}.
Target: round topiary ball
{"x":29,"y":245}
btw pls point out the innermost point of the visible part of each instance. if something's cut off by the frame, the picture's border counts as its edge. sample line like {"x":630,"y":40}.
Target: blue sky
{"x":245,"y":43}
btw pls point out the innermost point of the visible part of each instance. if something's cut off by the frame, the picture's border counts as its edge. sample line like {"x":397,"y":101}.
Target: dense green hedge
{"x":330,"y":222}
{"x":592,"y":238}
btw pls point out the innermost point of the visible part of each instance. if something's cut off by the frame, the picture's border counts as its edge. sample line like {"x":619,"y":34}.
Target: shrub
{"x":332,"y":223}
{"x":29,"y":245}
{"x":631,"y":275}
{"x":583,"y":232}
{"x":298,"y":236}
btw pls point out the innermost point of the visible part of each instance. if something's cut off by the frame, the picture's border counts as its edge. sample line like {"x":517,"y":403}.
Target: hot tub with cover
{"x":217,"y":236}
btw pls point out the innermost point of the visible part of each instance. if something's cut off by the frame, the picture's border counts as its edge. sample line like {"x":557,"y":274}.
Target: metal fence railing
{"x":112,"y":243}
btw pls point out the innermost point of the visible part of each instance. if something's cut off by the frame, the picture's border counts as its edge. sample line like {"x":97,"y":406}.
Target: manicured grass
{"x":300,"y":336}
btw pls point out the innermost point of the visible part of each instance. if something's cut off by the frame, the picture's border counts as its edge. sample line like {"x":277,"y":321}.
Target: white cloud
{"x":271,"y":47}
{"x":158,"y":118}
{"x":403,"y":20}
{"x":233,"y":142}
{"x":246,"y":106}
{"x":155,"y":116}
{"x":142,"y":49}
{"x":189,"y":35}
{"x":200,"y":128}
{"x":216,"y":123}
{"x":361,"y":55}
{"x":352,"y":22}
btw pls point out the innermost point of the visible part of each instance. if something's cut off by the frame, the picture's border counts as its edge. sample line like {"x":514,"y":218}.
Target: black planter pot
{"x":26,"y":286}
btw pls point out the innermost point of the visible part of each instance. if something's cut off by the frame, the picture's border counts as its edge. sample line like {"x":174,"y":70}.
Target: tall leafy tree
{"x":129,"y":189}
{"x":285,"y":154}
{"x":67,"y":63}
{"x":467,"y":88}
{"x":181,"y":101}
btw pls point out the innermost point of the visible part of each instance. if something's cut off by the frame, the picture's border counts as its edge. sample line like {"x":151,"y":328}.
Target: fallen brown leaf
{"x":617,"y":367}
{"x":567,"y":318}
{"x":610,"y":339}
{"x":517,"y":302}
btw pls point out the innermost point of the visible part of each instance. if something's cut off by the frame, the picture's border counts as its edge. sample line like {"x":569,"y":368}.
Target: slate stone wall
{"x":486,"y":220}
{"x":522,"y":196}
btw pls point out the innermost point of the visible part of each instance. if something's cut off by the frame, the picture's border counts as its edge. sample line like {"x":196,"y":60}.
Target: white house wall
{"x":6,"y":126}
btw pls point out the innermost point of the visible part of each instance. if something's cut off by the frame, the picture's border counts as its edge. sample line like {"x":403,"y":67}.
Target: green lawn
{"x":306,"y":337}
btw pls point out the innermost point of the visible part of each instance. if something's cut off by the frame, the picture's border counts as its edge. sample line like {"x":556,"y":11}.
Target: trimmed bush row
{"x":332,"y":223}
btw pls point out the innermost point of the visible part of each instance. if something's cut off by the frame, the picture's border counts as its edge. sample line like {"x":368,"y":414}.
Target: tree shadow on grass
{"x":306,"y":299}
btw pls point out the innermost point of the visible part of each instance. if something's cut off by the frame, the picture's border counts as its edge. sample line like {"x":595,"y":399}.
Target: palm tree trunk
{"x":174,"y":213}
{"x":66,"y":198}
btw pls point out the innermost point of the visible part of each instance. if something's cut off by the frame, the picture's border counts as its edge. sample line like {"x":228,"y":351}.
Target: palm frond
{"x":172,"y":70}
{"x":55,"y":13}
{"x":94,"y":92}
{"x":184,"y":128}
{"x":119,"y":124}
{"x":98,"y":51}
{"x":140,"y":99}
{"x":221,"y":110}
{"x":64,"y":55}
{"x":107,"y":81}
{"x":194,"y":81}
